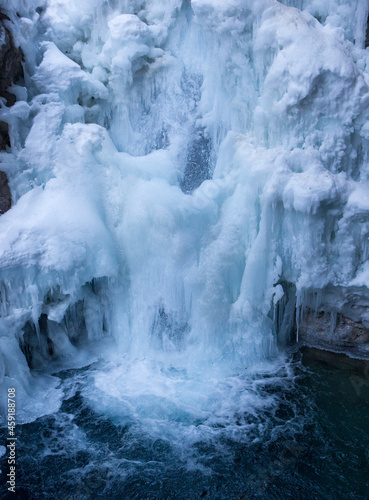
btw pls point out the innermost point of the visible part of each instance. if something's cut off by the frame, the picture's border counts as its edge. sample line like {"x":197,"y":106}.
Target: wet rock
{"x":5,"y":195}
{"x":334,"y":319}
{"x":334,"y":332}
{"x":36,"y":346}
{"x":337,"y":360}
{"x":284,"y":315}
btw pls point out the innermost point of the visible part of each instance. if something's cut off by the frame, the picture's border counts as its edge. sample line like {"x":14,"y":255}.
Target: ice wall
{"x":182,"y":173}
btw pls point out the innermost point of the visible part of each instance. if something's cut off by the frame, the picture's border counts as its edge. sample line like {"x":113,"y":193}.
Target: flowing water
{"x":297,"y":429}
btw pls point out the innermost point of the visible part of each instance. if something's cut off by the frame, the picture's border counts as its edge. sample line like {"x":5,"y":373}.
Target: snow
{"x":121,"y":100}
{"x":58,"y":74}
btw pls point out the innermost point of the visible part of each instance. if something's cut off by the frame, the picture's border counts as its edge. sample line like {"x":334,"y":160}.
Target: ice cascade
{"x":185,"y":176}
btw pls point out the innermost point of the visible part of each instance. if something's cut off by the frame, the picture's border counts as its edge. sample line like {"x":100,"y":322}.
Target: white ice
{"x":124,"y":101}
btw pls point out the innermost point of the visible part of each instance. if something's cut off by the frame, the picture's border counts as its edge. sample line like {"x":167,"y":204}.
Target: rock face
{"x":334,"y":332}
{"x":5,"y":195}
{"x":334,"y":319}
{"x":4,"y":136}
{"x":11,"y":71}
{"x":11,"y":58}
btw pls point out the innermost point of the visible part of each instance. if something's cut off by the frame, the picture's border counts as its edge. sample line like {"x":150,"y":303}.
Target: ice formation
{"x":184,"y":175}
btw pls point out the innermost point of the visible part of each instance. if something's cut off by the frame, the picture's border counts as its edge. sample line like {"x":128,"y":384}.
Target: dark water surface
{"x":313,"y":443}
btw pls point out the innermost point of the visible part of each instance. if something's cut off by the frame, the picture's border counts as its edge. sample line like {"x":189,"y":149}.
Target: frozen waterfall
{"x":187,"y":177}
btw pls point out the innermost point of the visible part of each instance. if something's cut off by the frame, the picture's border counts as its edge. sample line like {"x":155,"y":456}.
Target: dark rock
{"x":337,"y":360}
{"x":11,"y":59}
{"x":334,"y":332}
{"x":11,"y":66}
{"x":74,"y":322}
{"x":334,"y":319}
{"x":10,"y":98}
{"x":284,"y":315}
{"x":367,"y":34}
{"x":42,"y":323}
{"x":4,"y":136}
{"x":4,"y":17}
{"x":11,"y":71}
{"x":5,"y":195}
{"x":35,"y":346}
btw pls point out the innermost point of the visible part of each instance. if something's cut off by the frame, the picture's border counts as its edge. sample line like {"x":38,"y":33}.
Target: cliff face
{"x":11,"y":72}
{"x":11,"y":60}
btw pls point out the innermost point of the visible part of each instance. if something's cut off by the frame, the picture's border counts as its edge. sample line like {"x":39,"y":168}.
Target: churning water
{"x":294,"y":429}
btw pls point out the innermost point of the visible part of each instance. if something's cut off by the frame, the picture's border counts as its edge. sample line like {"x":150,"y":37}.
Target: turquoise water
{"x":311,"y":442}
